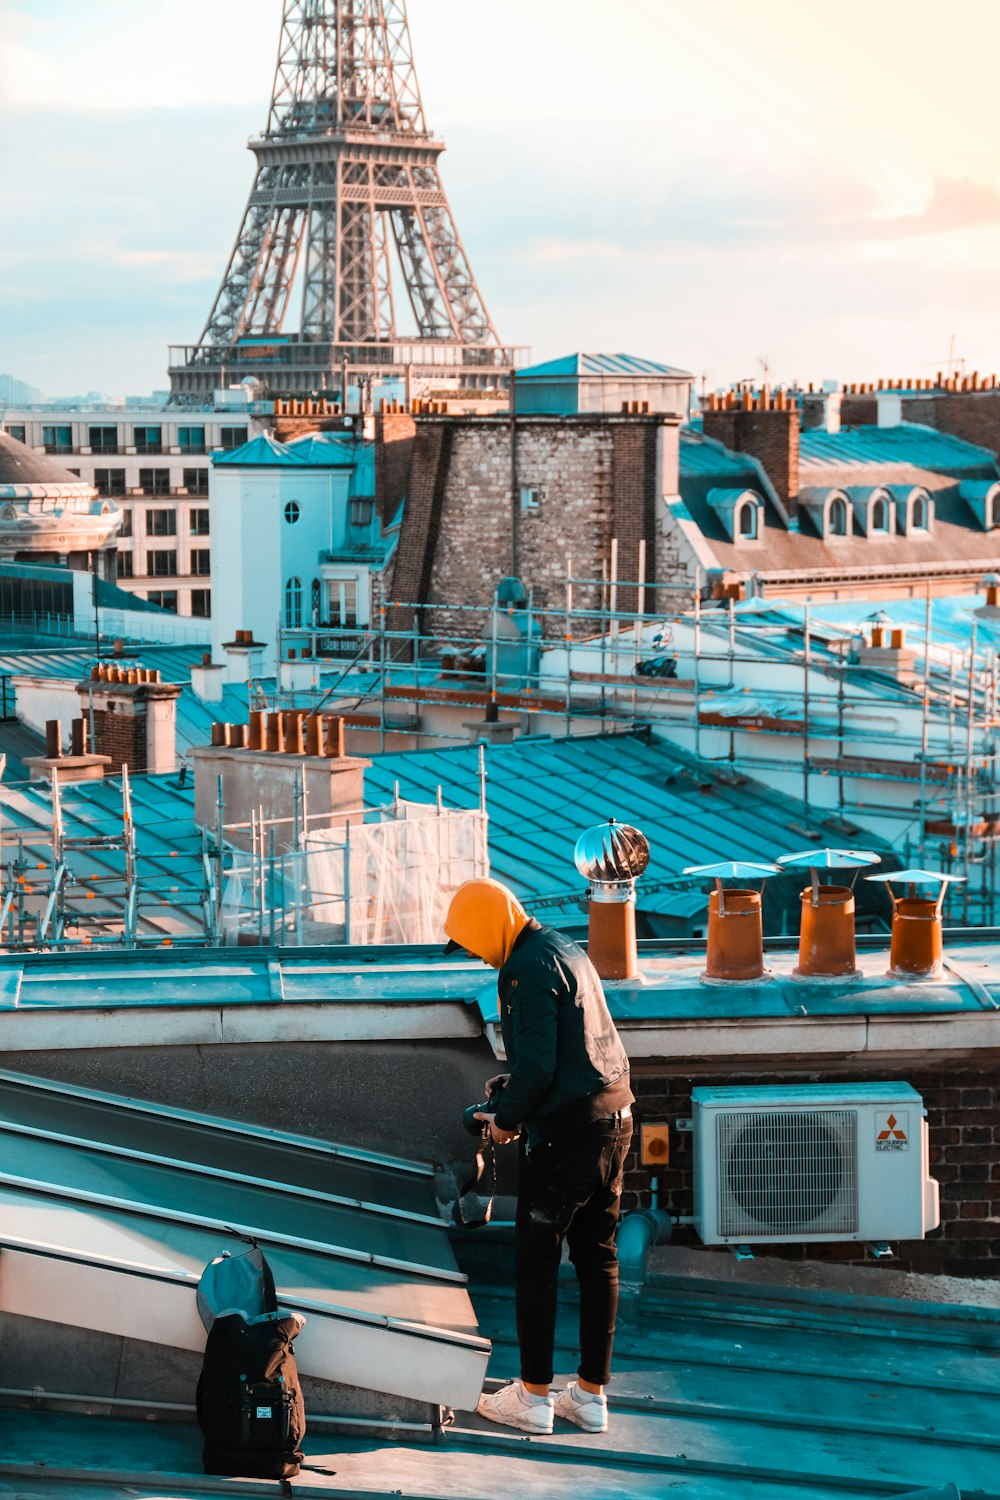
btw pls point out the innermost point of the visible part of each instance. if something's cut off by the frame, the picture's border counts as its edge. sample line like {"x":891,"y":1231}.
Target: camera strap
{"x":473,"y":1185}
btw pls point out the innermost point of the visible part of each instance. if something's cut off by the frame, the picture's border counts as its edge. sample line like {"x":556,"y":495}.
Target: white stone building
{"x":153,"y":464}
{"x":297,"y":547}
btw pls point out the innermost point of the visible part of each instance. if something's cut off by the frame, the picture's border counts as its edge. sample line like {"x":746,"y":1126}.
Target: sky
{"x":806,"y":187}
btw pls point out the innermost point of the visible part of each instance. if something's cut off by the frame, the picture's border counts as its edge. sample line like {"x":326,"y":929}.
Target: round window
{"x":292,"y":512}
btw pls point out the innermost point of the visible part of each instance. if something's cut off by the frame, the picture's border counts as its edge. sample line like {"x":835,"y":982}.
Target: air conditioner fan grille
{"x":787,"y":1172}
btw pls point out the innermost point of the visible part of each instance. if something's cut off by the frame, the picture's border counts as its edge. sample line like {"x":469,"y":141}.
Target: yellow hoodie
{"x":485,"y":918}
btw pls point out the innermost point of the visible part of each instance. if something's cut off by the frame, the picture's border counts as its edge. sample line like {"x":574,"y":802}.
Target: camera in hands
{"x":489,"y":1107}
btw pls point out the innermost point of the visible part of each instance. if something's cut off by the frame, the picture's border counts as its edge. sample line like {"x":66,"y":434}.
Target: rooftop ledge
{"x":413,"y":994}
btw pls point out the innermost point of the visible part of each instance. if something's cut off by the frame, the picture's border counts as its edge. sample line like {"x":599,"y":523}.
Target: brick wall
{"x":634,"y":471}
{"x":971,"y":415}
{"x":430,"y":462}
{"x":770,"y":436}
{"x":394,"y":438}
{"x":963,"y":1107}
{"x":122,"y":736}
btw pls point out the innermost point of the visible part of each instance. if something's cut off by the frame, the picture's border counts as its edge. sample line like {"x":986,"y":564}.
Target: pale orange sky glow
{"x":713,"y":184}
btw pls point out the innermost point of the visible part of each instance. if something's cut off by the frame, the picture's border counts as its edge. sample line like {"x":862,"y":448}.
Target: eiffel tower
{"x":349,"y":206}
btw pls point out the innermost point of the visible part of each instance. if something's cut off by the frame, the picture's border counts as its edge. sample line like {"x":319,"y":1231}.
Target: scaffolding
{"x":59,"y":890}
{"x":928,"y":779}
{"x":360,"y":875}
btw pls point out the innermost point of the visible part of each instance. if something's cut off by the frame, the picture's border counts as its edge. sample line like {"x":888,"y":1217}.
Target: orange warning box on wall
{"x":654,"y":1145}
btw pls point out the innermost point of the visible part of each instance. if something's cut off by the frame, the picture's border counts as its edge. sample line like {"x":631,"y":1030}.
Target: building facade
{"x":298,"y":548}
{"x":154,"y":466}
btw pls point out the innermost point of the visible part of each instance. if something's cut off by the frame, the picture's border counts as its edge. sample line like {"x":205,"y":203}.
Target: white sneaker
{"x":582,"y":1407}
{"x":515,"y":1407}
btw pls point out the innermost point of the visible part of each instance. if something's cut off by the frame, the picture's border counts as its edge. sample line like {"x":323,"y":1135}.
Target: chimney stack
{"x":768,"y":432}
{"x":917,"y":942}
{"x":735,"y":948}
{"x":826,"y":931}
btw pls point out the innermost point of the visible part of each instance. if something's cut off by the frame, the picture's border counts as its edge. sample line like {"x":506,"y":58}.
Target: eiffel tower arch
{"x":349,"y":222}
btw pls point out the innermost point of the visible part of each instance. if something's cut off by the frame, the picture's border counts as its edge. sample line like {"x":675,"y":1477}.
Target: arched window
{"x":315,"y":601}
{"x":293,"y":603}
{"x":292,"y":512}
{"x":880,"y":516}
{"x":918,"y":517}
{"x":993,"y":514}
{"x":748,"y":519}
{"x":838,"y":517}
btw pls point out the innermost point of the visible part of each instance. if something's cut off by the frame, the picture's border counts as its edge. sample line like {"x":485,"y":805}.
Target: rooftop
{"x":907,"y":455}
{"x":728,"y":1390}
{"x":23,"y":469}
{"x":614,"y":366}
{"x":313,"y":450}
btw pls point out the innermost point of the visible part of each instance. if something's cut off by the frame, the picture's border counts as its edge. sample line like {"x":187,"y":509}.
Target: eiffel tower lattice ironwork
{"x":348,"y":189}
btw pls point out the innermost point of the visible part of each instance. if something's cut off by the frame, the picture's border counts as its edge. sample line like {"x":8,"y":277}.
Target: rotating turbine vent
{"x":612,"y":856}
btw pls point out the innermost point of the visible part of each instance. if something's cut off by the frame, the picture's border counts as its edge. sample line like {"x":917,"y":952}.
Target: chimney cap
{"x":734,"y":869}
{"x":918,"y":877}
{"x":611,"y":852}
{"x":829,"y":859}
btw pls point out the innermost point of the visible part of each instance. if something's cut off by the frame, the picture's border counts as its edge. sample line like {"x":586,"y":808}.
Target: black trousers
{"x":570,"y":1188}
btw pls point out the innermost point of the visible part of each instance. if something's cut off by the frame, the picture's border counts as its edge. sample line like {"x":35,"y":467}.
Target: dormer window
{"x":983,"y":498}
{"x":740,"y":513}
{"x":914,"y":510}
{"x":837,"y":517}
{"x":880,"y":516}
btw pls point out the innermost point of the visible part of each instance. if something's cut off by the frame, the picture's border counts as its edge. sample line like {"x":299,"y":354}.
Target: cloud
{"x":954,"y":204}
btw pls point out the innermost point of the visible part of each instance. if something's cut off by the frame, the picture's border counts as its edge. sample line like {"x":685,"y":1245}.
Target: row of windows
{"x":342,"y":603}
{"x":835,"y":519}
{"x":20,"y":598}
{"x":161,"y":562}
{"x":201,"y":601}
{"x":58,"y":438}
{"x":164,"y":522}
{"x":110,"y":483}
{"x":838,"y":518}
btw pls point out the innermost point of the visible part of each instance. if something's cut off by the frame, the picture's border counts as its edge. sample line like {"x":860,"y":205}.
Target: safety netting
{"x":386,"y":880}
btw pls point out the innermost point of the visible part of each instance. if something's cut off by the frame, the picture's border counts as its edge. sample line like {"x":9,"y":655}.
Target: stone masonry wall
{"x":963,"y":1107}
{"x":596,"y":479}
{"x":574,"y":471}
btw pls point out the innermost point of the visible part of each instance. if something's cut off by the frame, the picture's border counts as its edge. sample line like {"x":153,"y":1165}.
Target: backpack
{"x":249,"y":1399}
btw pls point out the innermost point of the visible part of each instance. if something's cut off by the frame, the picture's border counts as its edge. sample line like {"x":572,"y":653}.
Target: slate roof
{"x":862,"y":456}
{"x":614,"y":365}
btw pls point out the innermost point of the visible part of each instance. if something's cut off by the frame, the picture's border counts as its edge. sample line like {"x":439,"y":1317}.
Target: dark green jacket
{"x":567,"y":1063}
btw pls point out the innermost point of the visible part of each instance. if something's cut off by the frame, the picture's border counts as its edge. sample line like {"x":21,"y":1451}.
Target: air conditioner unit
{"x":818,"y":1162}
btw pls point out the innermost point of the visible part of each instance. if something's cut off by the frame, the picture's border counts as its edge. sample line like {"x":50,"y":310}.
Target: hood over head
{"x":485,"y":918}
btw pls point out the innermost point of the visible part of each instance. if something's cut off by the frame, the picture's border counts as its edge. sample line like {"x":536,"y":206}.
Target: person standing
{"x":567,"y":1099}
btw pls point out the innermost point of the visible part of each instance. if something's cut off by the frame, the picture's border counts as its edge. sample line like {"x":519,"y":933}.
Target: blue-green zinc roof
{"x":317,"y":450}
{"x":542,"y":794}
{"x":573,"y":365}
{"x":698,"y":456}
{"x":909,"y":443}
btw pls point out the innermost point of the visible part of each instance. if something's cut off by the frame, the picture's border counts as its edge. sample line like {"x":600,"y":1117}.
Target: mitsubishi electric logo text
{"x":891,"y":1133}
